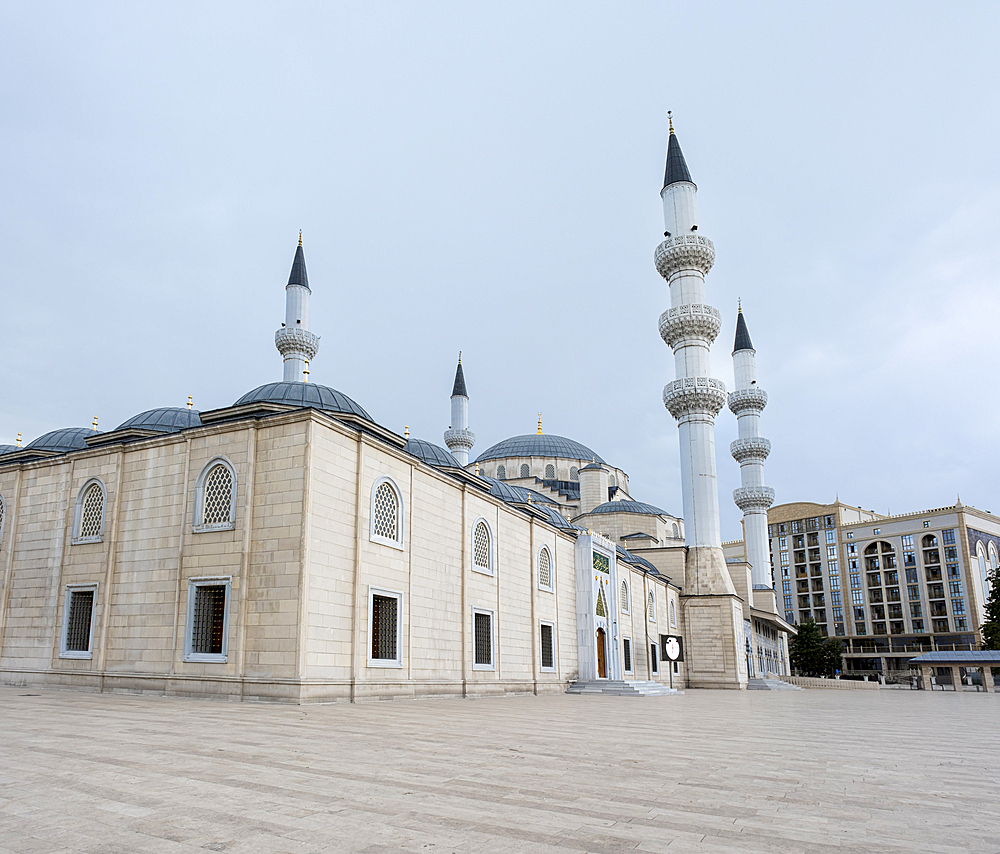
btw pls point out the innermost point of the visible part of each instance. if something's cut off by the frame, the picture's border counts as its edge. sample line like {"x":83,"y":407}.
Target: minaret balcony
{"x":752,"y":449}
{"x":694,"y":395}
{"x":753,"y":497}
{"x":745,"y":400}
{"x":296,"y":342}
{"x":457,"y":438}
{"x":684,"y":252}
{"x":690,"y":321}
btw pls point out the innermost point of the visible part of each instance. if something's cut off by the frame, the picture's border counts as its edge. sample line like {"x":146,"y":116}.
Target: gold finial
{"x":739,"y":305}
{"x":477,"y":464}
{"x":460,"y":357}
{"x":94,"y":425}
{"x":539,"y":423}
{"x":19,"y":440}
{"x":406,"y":431}
{"x":300,"y":237}
{"x":305,"y":372}
{"x":670,"y":118}
{"x":190,"y":401}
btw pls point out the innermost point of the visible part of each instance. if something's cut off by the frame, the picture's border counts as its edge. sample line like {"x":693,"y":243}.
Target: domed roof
{"x":303,"y":395}
{"x":629,"y":507}
{"x":539,"y":445}
{"x":8,"y":449}
{"x":61,"y":441}
{"x":432,"y":454}
{"x":515,"y":494}
{"x":169,"y":419}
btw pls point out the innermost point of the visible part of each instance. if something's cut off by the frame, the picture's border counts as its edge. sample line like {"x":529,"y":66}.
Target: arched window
{"x":386,"y":513}
{"x":673,"y":614}
{"x":88,"y":519}
{"x":574,"y":473}
{"x":525,"y":470}
{"x":624,"y":597}
{"x":993,"y":548}
{"x":482,"y":547}
{"x":651,"y":607}
{"x":929,"y":542}
{"x":215,"y":497}
{"x":544,"y":569}
{"x":677,"y":531}
{"x":612,"y":481}
{"x":501,"y":472}
{"x":550,"y":472}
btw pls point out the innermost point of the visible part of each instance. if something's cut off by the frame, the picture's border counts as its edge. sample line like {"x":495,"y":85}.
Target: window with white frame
{"x":550,"y":472}
{"x":482,"y":547}
{"x":624,"y":597}
{"x":673,"y":614}
{"x":386,"y":514}
{"x":207,"y":635}
{"x":525,"y":470}
{"x":651,"y":607}
{"x":627,"y":654}
{"x":482,"y":630}
{"x":544,"y":569}
{"x":215,"y":497}
{"x":654,"y":662}
{"x":88,"y":518}
{"x":78,"y":621}
{"x":546,"y":647}
{"x":385,"y":622}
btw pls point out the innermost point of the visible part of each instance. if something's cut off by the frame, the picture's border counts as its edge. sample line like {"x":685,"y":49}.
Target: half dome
{"x":629,"y":507}
{"x":304,"y":395}
{"x":62,"y":441}
{"x":170,"y":419}
{"x":433,"y":455}
{"x":539,"y":445}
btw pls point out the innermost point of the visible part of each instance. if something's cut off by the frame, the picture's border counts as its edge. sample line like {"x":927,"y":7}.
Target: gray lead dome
{"x":629,"y":507}
{"x":539,"y":445}
{"x":61,"y":441}
{"x":304,"y":395}
{"x":170,"y":419}
{"x":433,"y":455}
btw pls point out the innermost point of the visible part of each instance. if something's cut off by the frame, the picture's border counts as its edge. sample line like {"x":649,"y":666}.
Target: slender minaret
{"x":458,"y":437}
{"x":294,"y":341}
{"x":750,"y":450}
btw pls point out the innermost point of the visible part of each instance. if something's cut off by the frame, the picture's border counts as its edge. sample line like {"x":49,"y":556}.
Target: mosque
{"x":287,"y":547}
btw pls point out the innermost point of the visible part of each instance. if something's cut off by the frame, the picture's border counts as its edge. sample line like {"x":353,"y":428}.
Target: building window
{"x":550,"y":472}
{"x":215,"y":497}
{"x":651,"y":607}
{"x":386,"y":514}
{"x":627,"y":654}
{"x":624,"y":598}
{"x":654,"y":662}
{"x":385,"y":621}
{"x":3,"y":509}
{"x":482,"y":547}
{"x":78,"y":621}
{"x":544,"y":569}
{"x":88,"y":518}
{"x":927,"y":523}
{"x":850,"y":535}
{"x":207,"y":636}
{"x":501,"y":472}
{"x":546,"y":647}
{"x":676,"y":531}
{"x":673,"y":614}
{"x":483,"y":632}
{"x":831,"y":536}
{"x":525,"y":470}
{"x":613,"y":481}
{"x":574,"y":473}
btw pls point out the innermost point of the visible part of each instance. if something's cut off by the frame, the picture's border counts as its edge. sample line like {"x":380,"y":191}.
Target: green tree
{"x":991,"y":627}
{"x":811,"y":653}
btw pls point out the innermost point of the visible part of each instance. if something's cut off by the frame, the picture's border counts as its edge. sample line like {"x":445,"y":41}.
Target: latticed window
{"x":525,"y":470}
{"x":544,"y":569}
{"x":574,"y":473}
{"x":208,"y":622}
{"x":385,"y":622}
{"x":501,"y":472}
{"x":627,"y":654}
{"x":92,"y":511}
{"x":484,"y":639}
{"x":624,"y":598}
{"x":218,"y":496}
{"x":548,"y":659}
{"x":652,"y":607}
{"x":550,"y":472}
{"x":78,"y":620}
{"x":481,"y":546}
{"x":385,"y":522}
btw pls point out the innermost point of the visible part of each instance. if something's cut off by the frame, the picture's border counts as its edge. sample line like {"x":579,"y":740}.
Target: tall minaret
{"x":294,"y":341}
{"x":750,"y":450}
{"x":458,"y":437}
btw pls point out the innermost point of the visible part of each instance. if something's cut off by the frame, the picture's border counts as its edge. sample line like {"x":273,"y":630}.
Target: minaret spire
{"x":750,"y":450}
{"x":294,"y":341}
{"x":458,"y":437}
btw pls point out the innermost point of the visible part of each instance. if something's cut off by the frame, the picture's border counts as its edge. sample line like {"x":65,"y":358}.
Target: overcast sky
{"x":485,"y":178}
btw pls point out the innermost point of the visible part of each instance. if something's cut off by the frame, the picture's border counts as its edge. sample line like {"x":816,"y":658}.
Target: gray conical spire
{"x":459,"y":387}
{"x":677,"y":169}
{"x":299,"y":276}
{"x":742,"y":334}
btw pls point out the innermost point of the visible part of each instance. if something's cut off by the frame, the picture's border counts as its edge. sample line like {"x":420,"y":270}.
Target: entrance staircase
{"x":770,"y":683}
{"x":620,"y":688}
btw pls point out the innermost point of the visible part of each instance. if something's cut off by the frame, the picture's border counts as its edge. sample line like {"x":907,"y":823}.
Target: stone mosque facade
{"x":287,"y":547}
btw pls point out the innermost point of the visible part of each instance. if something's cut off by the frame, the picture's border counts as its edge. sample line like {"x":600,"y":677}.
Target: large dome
{"x":170,"y":419}
{"x":304,"y":394}
{"x":539,"y":445}
{"x":61,"y":441}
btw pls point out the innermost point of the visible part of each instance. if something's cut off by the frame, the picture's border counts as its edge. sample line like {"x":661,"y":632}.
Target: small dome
{"x":61,"y":441}
{"x":539,"y":445}
{"x":9,"y":449}
{"x":629,"y":507}
{"x":170,"y":419}
{"x":304,"y":395}
{"x":515,"y":494}
{"x":432,"y":454}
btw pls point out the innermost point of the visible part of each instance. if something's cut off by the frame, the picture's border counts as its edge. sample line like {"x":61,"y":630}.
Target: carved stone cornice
{"x":690,"y":321}
{"x":684,"y":252}
{"x":753,"y":497}
{"x":690,"y":395}
{"x":747,"y":400}
{"x":296,"y":342}
{"x":458,"y":439}
{"x":753,"y":448}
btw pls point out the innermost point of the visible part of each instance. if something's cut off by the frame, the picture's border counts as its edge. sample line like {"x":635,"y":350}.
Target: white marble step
{"x":756,"y":684}
{"x":621,"y":688}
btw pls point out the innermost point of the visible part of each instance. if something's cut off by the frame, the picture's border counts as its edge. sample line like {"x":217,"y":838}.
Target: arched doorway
{"x":602,"y":656}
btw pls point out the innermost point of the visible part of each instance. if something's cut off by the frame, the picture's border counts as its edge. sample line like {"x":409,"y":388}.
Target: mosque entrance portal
{"x":602,"y":655}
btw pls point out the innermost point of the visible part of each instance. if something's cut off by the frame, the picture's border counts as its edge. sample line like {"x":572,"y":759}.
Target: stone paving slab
{"x":828,"y":772}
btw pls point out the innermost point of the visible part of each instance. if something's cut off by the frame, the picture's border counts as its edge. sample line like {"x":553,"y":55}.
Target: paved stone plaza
{"x":894,"y":771}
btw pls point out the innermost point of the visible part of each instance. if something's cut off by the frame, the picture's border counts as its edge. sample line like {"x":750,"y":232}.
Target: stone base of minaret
{"x":714,"y":646}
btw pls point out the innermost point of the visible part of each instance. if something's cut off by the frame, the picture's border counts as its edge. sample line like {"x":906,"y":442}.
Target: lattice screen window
{"x":385,"y":625}
{"x":652,"y":607}
{"x":501,"y":472}
{"x":481,"y":547}
{"x":79,"y":618}
{"x":574,"y":473}
{"x":385,"y":522}
{"x":544,"y":569}
{"x":218,"y":496}
{"x":550,"y":472}
{"x":92,"y":512}
{"x":548,"y":659}
{"x":624,"y":598}
{"x":483,"y":639}
{"x":627,"y":654}
{"x":525,"y":470}
{"x":208,"y":623}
